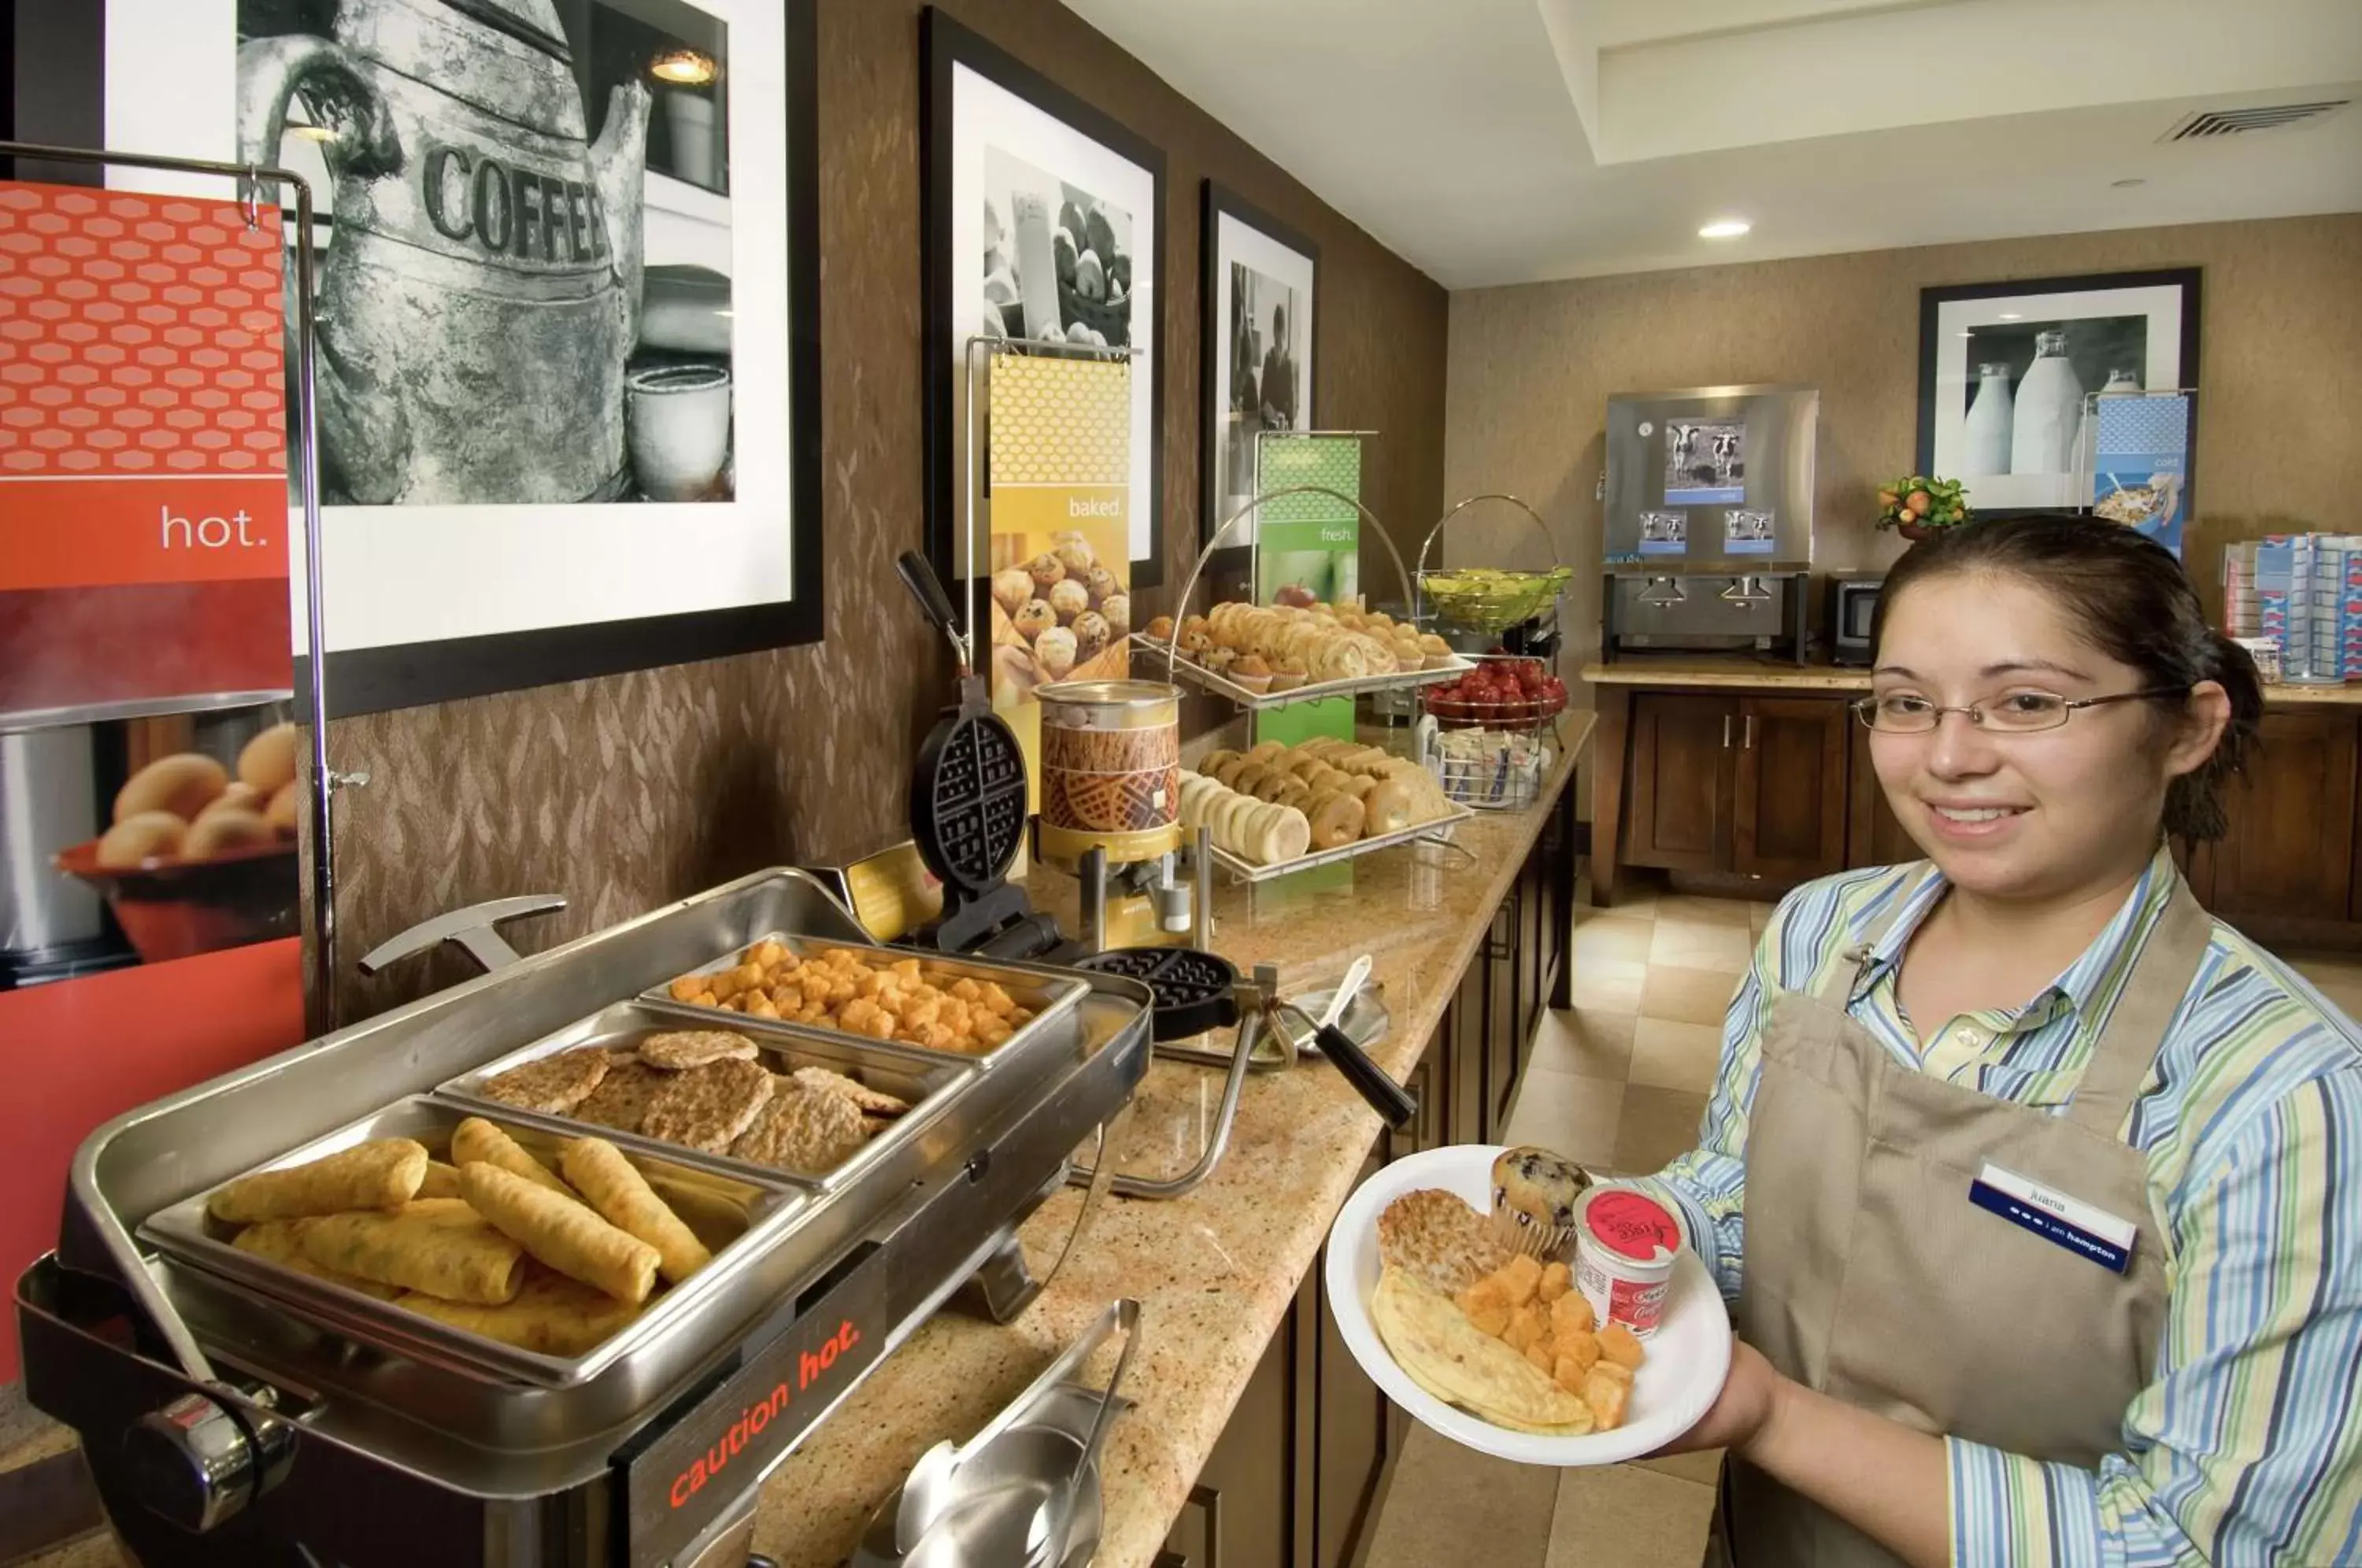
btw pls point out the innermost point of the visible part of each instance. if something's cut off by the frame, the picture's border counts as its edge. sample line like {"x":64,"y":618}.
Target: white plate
{"x":1688,"y":1356}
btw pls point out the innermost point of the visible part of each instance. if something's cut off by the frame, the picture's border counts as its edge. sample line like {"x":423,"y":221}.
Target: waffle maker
{"x":968,"y":806}
{"x":231,"y":1419}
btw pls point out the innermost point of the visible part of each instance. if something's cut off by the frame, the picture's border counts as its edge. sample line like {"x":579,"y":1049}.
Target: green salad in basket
{"x":1491,"y":598}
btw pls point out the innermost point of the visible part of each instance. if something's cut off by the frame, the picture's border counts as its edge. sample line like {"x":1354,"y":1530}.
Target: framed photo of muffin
{"x":2005,"y":370}
{"x":1255,"y":343}
{"x":1042,"y":223}
{"x":555,"y":284}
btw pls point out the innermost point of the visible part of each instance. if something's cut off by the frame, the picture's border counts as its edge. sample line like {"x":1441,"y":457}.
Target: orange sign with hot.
{"x":140,"y":389}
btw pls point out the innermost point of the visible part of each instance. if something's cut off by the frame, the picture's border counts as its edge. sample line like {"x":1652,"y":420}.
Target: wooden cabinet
{"x":1353,"y":1425}
{"x":2291,"y":850}
{"x":1780,"y":788}
{"x":1504,"y":1044}
{"x":1681,"y":796}
{"x":1751,"y":785}
{"x":1466,"y":1064}
{"x":1788,"y":817}
{"x":1873,"y":837}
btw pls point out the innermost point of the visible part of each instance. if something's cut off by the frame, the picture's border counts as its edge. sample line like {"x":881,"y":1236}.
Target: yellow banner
{"x":1061,"y":435}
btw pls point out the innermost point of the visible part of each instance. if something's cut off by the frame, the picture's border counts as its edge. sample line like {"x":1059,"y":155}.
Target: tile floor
{"x":1619,"y":1083}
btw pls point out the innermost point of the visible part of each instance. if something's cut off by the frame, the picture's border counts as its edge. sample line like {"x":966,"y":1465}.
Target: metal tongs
{"x":934,"y":1483}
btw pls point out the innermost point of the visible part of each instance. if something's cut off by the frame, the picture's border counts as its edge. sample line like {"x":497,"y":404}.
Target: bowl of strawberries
{"x":1504,"y":691}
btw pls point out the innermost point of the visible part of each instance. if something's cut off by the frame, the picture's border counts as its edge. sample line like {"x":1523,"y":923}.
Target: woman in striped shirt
{"x":2038,"y":1192}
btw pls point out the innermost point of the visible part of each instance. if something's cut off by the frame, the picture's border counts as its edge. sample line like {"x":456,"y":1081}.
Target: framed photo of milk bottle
{"x":2007,"y":371}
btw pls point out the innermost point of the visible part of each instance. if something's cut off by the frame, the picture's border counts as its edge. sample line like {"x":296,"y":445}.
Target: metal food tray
{"x":708,"y":1202}
{"x":1260,"y":702}
{"x":1045,"y":996}
{"x":1250,"y":871}
{"x":925,"y":1078}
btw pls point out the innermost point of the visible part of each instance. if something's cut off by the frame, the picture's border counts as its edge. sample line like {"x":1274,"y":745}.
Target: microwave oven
{"x":1852,"y":605}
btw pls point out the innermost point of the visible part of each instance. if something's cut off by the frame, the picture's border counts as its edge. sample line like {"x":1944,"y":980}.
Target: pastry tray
{"x":1199,"y":675}
{"x":925,"y":1078}
{"x":733,"y":1216}
{"x":1435,"y":828}
{"x":1045,"y":996}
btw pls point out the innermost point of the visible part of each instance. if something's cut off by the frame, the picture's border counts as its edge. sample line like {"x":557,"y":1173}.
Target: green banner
{"x":1312,"y":547}
{"x":1309,"y":542}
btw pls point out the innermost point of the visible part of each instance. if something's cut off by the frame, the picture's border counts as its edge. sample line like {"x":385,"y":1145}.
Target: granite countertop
{"x":1740,"y":670}
{"x":1215,"y":1271}
{"x":1725,"y":671}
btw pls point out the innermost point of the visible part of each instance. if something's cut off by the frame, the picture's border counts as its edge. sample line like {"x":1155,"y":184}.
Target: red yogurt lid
{"x":1632,"y":1224}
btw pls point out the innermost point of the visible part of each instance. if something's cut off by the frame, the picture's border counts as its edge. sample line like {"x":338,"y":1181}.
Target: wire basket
{"x":1492,"y":771}
{"x":1492,"y":599}
{"x":1487,"y":600}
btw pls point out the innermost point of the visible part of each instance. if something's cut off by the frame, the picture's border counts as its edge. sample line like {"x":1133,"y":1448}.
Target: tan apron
{"x":1870,"y":1276}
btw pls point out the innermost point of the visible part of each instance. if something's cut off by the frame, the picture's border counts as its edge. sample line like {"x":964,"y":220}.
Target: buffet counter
{"x":1216,"y":1272}
{"x":1221,"y":1273}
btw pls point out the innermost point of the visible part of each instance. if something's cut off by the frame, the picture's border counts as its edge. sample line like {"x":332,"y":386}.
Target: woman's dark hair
{"x":2131,"y":599}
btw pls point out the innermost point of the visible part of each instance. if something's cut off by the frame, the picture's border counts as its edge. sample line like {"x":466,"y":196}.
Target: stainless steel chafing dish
{"x":236,"y":1414}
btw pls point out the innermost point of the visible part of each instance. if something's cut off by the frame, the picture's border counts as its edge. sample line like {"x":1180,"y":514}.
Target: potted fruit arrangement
{"x":1918,"y":506}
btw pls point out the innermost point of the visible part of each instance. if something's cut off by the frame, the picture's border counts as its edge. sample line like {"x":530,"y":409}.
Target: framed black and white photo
{"x":568,"y":257}
{"x":1256,"y":342}
{"x":2004,"y":369}
{"x":1043,"y":220}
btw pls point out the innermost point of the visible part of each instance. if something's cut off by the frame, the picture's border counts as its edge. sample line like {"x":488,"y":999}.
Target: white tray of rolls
{"x":1274,"y":809}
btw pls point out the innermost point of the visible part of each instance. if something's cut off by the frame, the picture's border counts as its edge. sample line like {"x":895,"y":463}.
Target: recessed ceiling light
{"x":1725,"y":228}
{"x":2126,"y":184}
{"x":2010,"y":316}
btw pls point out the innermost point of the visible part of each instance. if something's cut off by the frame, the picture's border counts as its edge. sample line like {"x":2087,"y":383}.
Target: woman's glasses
{"x":2016,"y":713}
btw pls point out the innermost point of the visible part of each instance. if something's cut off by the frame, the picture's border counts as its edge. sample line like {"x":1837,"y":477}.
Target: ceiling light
{"x":685,"y":66}
{"x":1725,"y":228}
{"x":2010,"y":316}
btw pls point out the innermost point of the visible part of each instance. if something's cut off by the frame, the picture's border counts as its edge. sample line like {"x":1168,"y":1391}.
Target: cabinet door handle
{"x":1748,"y":743}
{"x":1726,"y":732}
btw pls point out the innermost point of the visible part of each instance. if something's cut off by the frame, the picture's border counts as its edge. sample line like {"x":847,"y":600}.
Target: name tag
{"x":2050,"y":1214}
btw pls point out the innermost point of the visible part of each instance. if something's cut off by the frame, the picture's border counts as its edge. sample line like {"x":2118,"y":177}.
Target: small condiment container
{"x":1625,"y":1246}
{"x":2266,"y":652}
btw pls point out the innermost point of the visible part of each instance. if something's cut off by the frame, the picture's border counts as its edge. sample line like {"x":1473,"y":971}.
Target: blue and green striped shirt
{"x":2246,"y":1446}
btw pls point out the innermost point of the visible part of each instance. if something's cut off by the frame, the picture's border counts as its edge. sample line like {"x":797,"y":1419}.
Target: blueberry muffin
{"x":1533,"y":1201}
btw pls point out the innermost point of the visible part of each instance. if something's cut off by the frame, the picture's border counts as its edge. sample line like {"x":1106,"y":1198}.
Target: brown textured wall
{"x":2279,"y":376}
{"x":622,"y":793}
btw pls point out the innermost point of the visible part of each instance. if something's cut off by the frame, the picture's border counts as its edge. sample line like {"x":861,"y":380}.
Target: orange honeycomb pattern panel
{"x":139,"y":336}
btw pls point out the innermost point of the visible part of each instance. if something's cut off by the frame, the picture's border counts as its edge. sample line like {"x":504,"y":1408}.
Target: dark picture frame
{"x":2137,"y":313}
{"x":947,"y":46}
{"x":1217,"y":498}
{"x":409,"y":674}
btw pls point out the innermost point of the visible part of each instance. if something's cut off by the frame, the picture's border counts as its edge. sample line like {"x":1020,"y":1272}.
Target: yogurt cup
{"x":1625,"y":1246}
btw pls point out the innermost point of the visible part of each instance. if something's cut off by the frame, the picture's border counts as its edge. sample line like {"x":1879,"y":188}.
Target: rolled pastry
{"x":562,"y":1233}
{"x":282,"y":1241}
{"x":433,"y":1247}
{"x":623,"y":1198}
{"x":383,"y":1173}
{"x":552,"y":1314}
{"x":442,"y":1180}
{"x":477,"y":1139}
